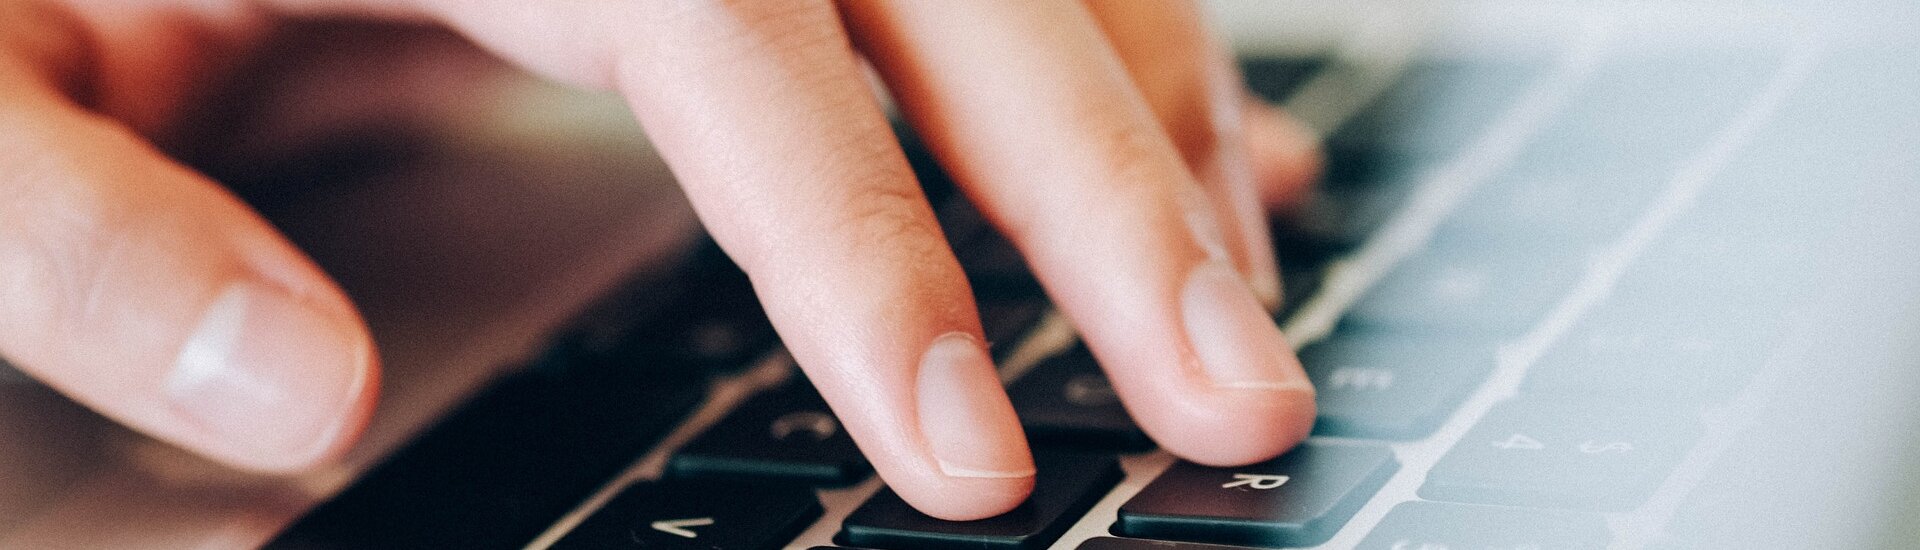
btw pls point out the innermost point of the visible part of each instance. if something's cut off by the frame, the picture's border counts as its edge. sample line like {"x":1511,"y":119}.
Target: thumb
{"x":151,"y":295}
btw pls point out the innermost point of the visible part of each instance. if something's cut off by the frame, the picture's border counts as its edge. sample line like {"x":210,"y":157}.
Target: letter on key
{"x":1299,"y":499}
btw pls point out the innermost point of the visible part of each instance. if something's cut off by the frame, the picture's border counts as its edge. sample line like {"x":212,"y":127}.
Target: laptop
{"x":1578,"y":275}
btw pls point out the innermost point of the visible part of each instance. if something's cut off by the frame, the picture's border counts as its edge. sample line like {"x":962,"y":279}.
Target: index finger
{"x":763,"y":112}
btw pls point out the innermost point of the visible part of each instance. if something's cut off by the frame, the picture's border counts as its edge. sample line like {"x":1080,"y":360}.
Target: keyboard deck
{"x":1523,"y":291}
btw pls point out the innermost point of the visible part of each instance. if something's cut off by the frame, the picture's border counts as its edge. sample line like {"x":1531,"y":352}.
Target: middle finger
{"x":1032,"y":111}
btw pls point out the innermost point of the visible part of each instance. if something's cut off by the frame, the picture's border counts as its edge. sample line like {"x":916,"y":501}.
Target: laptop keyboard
{"x":1476,"y":391}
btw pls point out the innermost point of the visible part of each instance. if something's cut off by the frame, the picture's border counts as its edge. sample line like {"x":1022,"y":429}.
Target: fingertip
{"x":1287,"y":155}
{"x":272,"y":383}
{"x":979,"y":451}
{"x":954,"y":498}
{"x":1269,"y":423}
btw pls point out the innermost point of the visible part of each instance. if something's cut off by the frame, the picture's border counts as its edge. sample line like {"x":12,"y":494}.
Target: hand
{"x":1108,"y":139}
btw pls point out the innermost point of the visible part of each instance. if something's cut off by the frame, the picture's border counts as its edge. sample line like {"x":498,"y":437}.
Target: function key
{"x":1066,"y":401}
{"x":1434,"y":525}
{"x":1383,"y":386}
{"x":785,"y":434}
{"x":1067,"y":485}
{"x":1561,"y":454}
{"x":1299,"y":499}
{"x":697,"y":516}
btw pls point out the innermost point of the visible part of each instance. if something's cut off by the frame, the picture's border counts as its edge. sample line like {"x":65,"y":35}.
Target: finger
{"x":147,"y":293}
{"x":1032,"y":111}
{"x":762,"y":111}
{"x":1285,"y":154}
{"x":788,"y":158}
{"x":1191,"y":82}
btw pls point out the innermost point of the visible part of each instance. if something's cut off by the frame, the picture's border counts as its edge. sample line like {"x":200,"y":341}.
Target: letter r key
{"x":1259,"y":482}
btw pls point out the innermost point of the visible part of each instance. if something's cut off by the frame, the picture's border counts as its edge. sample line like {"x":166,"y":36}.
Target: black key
{"x":1299,"y":499}
{"x":718,"y":325}
{"x":1564,"y":454}
{"x":1006,"y":319}
{"x":786,"y":434}
{"x":1416,"y":525}
{"x":1066,"y":402}
{"x":697,"y":516}
{"x":1340,"y":218}
{"x":1386,"y":386}
{"x":1275,"y":78}
{"x":993,"y":265}
{"x":497,"y":472}
{"x":1436,"y":108}
{"x":1110,"y":543}
{"x":1067,"y":485}
{"x":705,"y":317}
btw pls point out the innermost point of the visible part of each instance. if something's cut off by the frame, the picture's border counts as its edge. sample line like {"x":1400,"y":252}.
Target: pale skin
{"x":1109,"y":140}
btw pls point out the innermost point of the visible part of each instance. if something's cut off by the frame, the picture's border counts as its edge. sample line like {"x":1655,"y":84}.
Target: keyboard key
{"x":1738,"y":265}
{"x":785,"y":434}
{"x":1497,"y":289}
{"x":1341,"y":218}
{"x":697,"y":516}
{"x":1579,"y":210}
{"x":1303,"y":261}
{"x":705,"y":318}
{"x":501,"y":469}
{"x":1298,"y":499}
{"x":1066,"y":402}
{"x":1387,"y":386}
{"x":716,"y":326}
{"x":1275,"y":78}
{"x":1433,"y":525}
{"x":1647,"y":114}
{"x":1005,"y":318}
{"x":1666,"y":354}
{"x":1437,"y":107}
{"x":1110,"y":543}
{"x":1564,"y":454}
{"x":993,"y":265}
{"x":1068,"y":485}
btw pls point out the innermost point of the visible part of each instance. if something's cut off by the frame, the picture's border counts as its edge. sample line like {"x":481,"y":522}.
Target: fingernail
{"x":1238,"y":345}
{"x":269,"y":376}
{"x":969,"y":424}
{"x":1266,"y":288}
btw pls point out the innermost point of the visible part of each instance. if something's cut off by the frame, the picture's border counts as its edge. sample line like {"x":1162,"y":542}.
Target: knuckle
{"x":56,"y":247}
{"x":1133,"y":155}
{"x":884,"y":217}
{"x":67,"y":229}
{"x":785,"y":25}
